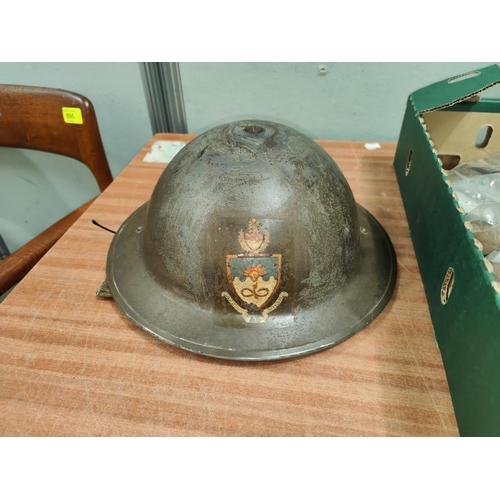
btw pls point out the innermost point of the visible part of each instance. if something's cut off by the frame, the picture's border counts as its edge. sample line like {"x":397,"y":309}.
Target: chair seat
{"x":17,"y":265}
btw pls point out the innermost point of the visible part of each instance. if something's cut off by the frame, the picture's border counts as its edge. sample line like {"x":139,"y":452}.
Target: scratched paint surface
{"x":71,"y":364}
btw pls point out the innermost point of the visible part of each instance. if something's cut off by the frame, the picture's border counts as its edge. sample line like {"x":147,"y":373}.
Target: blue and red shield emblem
{"x":254,"y":275}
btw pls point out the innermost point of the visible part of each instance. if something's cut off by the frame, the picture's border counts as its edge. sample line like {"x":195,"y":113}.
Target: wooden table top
{"x":74,"y":365}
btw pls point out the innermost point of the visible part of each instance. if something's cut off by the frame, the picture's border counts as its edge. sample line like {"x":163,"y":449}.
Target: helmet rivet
{"x":253,"y":129}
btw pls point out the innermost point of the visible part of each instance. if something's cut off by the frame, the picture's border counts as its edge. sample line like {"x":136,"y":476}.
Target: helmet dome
{"x":252,"y":247}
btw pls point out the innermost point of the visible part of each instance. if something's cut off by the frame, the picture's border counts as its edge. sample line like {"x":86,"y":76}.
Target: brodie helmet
{"x":252,"y":248}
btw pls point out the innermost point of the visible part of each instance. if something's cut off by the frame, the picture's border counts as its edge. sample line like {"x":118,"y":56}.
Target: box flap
{"x":456,"y":89}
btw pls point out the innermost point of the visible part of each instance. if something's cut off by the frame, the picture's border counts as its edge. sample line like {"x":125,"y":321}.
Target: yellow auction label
{"x":72,"y":115}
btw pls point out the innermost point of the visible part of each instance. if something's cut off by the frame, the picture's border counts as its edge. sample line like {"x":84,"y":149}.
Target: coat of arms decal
{"x":254,"y":275}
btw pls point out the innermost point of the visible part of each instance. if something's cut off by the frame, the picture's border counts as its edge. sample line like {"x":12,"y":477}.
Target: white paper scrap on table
{"x":372,"y":145}
{"x":163,"y":151}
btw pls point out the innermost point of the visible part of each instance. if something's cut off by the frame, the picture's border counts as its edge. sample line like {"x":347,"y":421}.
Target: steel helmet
{"x":252,"y":248}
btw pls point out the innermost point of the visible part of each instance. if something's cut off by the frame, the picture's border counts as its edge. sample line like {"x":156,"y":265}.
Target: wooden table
{"x":73,"y":364}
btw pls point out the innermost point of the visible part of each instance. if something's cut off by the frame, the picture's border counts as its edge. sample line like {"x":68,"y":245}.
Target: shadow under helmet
{"x":252,"y":248}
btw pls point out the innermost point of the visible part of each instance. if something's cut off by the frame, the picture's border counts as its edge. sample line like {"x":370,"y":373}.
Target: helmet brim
{"x":182,"y":323}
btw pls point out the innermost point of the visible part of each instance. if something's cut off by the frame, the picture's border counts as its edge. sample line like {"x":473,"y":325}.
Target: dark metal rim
{"x":176,"y":339}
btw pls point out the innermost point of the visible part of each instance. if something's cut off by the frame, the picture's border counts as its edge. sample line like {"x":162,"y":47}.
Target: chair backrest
{"x":38,"y":118}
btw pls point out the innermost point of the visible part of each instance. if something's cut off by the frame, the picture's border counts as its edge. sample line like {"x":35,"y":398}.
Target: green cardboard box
{"x":440,"y":129}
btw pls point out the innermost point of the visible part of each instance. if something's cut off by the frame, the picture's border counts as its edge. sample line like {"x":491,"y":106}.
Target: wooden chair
{"x":32,"y":118}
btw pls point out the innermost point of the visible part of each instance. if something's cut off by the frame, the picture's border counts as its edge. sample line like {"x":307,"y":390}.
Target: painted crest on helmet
{"x":254,"y":275}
